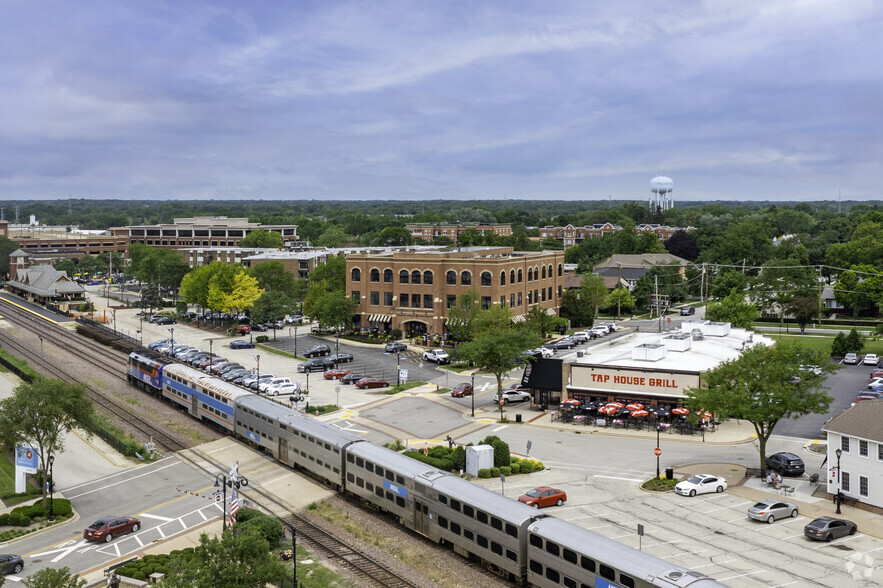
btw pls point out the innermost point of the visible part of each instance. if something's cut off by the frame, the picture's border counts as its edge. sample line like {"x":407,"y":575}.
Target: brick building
{"x":430,"y":231}
{"x":200,"y":231}
{"x":570,"y":235}
{"x":413,"y":290}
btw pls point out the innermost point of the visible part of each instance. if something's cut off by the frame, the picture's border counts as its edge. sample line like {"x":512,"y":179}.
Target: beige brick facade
{"x":412,"y":291}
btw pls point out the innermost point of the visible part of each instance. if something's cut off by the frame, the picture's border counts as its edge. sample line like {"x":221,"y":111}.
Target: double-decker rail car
{"x":294,"y":438}
{"x":144,"y":369}
{"x":386,"y":479}
{"x":562,"y":554}
{"x":205,"y":398}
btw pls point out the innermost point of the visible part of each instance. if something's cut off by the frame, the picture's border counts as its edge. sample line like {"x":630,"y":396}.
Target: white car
{"x":283,"y":389}
{"x":264,"y":385}
{"x":543,"y":352}
{"x":600,"y":330}
{"x":436,"y":355}
{"x":512,"y":395}
{"x":701,"y":484}
{"x":851,"y":358}
{"x":871,"y":359}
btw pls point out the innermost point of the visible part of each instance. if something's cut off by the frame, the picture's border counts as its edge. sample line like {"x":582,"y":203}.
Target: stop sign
{"x":657,"y":452}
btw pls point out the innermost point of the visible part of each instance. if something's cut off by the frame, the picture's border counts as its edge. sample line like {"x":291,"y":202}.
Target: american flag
{"x":234,"y":507}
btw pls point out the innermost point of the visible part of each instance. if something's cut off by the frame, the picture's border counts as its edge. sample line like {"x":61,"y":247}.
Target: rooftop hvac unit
{"x":648,"y":352}
{"x":677,"y":341}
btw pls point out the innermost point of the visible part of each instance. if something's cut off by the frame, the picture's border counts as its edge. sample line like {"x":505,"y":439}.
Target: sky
{"x":416,"y":100}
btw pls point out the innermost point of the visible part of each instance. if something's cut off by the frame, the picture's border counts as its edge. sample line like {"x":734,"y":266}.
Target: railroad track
{"x":327,"y":544}
{"x":90,"y":352}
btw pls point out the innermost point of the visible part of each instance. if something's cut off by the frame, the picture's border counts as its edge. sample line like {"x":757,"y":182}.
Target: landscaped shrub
{"x":484,"y":473}
{"x":495,"y":472}
{"x":442,"y":464}
{"x":506,"y":470}
{"x":261,"y":339}
{"x":270,"y":528}
{"x":395,"y":334}
{"x":246,"y":514}
{"x":4,"y":519}
{"x":526,"y":466}
{"x":458,"y":458}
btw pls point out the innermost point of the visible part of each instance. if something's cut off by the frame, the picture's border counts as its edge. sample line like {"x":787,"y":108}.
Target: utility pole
{"x":619,"y":296}
{"x":702,"y":285}
{"x":820,"y":295}
{"x":658,"y":311}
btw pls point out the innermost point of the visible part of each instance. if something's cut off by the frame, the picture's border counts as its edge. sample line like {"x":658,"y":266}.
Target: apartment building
{"x":430,"y":231}
{"x":200,"y":231}
{"x":570,"y":235}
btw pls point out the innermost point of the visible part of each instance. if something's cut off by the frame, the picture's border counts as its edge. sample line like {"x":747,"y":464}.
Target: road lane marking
{"x":122,"y":481}
{"x":157,"y":517}
{"x":499,"y":428}
{"x":618,"y":478}
{"x":120,"y":473}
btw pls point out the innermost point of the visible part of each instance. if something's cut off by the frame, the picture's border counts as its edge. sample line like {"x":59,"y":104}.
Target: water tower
{"x":661,"y":193}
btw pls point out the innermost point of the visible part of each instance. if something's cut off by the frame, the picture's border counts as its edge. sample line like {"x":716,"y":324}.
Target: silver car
{"x":771,"y":509}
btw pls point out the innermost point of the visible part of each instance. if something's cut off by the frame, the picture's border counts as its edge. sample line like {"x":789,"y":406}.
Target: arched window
{"x":427,"y":277}
{"x":357,"y":274}
{"x":403,"y":277}
{"x":560,"y":270}
{"x":536,"y":273}
{"x":520,"y":275}
{"x":512,"y":276}
{"x":485,"y":278}
{"x":550,"y":270}
{"x":544,"y":272}
{"x":465,"y":278}
{"x":451,"y":278}
{"x":375,"y":275}
{"x":530,"y":274}
{"x":387,"y":276}
{"x":415,"y":277}
{"x":503,"y":278}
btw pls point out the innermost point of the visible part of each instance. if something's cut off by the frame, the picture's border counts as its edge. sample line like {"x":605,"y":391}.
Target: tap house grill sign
{"x":598,"y":378}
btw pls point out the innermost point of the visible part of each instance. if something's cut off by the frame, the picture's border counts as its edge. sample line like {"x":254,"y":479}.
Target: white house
{"x":858,"y":433}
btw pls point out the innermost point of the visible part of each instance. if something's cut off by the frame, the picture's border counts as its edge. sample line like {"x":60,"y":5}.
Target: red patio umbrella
{"x":680,"y":410}
{"x":634,"y":406}
{"x":640,"y":413}
{"x":616,"y":404}
{"x":607,"y":409}
{"x":571,"y":402}
{"x":705,"y":415}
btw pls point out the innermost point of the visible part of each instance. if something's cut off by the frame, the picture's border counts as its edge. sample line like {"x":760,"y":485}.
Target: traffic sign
{"x":657,"y":452}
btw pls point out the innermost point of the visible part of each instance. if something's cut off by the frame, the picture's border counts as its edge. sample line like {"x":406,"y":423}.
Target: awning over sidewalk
{"x":379,"y":318}
{"x":518,"y":318}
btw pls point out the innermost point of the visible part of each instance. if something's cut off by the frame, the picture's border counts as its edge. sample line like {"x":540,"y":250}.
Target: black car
{"x":340,"y":357}
{"x":562,"y":344}
{"x":786,"y":464}
{"x":164,"y":320}
{"x":317,"y":351}
{"x":319,"y":364}
{"x":687,"y":311}
{"x":258,"y":327}
{"x":11,"y":564}
{"x":351,"y":378}
{"x":828,"y":528}
{"x":395,"y":347}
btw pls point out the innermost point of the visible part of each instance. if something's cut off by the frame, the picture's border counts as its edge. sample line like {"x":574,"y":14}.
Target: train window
{"x":442,"y":499}
{"x":378,"y":491}
{"x":569,"y":582}
{"x":569,"y":555}
{"x":336,"y":451}
{"x":360,"y":462}
{"x":390,"y":476}
{"x":626,"y":581}
{"x":553,"y":548}
{"x":455,"y":528}
{"x":496,"y":548}
{"x":400,"y":480}
{"x":607,"y":572}
{"x":587,"y":564}
{"x":327,"y":446}
{"x":536,"y":540}
{"x":469,"y":534}
{"x":312,"y":458}
{"x":379,"y":471}
{"x":482,"y":541}
{"x":553,"y":575}
{"x":443,"y":522}
{"x":360,"y":482}
{"x":468,"y":510}
{"x":482,"y":517}
{"x":327,"y":466}
{"x":350,"y":458}
{"x":335,"y":470}
{"x":511,"y":555}
{"x":536,"y":567}
{"x":400,"y":502}
{"x":455,"y":504}
{"x":512,"y":530}
{"x":389,"y":496}
{"x":496,"y":523}
{"x":350,"y":478}
{"x":370,"y":467}
{"x":303,"y":453}
{"x":425,"y":509}
{"x":369,"y":486}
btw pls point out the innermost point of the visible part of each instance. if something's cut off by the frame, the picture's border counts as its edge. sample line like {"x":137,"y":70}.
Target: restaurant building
{"x":413,"y":290}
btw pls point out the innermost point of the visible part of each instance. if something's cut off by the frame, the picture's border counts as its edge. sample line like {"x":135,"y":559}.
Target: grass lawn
{"x":7,"y":479}
{"x":823,"y":342}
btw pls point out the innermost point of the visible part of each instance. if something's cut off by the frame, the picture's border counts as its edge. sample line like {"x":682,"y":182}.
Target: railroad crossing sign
{"x":657,"y":452}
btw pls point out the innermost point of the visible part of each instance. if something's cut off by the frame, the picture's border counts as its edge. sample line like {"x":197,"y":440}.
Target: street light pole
{"x":293,"y":557}
{"x":658,"y":429}
{"x":223,"y":486}
{"x":51,"y":488}
{"x":141,"y":329}
{"x":295,"y":340}
{"x":473,"y":395}
{"x":398,"y":368}
{"x":42,"y":369}
{"x":211,"y":356}
{"x":837,"y":498}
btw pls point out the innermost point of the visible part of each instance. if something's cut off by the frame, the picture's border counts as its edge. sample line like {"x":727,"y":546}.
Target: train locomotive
{"x":518,"y":542}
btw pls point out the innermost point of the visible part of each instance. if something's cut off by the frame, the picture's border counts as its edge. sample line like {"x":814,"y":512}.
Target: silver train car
{"x":205,"y":397}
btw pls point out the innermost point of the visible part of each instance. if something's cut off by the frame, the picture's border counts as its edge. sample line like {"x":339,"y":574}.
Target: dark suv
{"x":319,"y":364}
{"x":687,"y":311}
{"x":317,"y":351}
{"x":786,"y":464}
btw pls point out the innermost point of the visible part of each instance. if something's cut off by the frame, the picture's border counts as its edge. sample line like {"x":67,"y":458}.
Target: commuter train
{"x":514,"y":540}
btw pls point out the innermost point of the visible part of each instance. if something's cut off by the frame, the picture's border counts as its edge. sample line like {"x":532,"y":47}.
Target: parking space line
{"x":667,"y":543}
{"x":714,"y":563}
{"x":739,"y":519}
{"x":681,"y":554}
{"x":138,"y":539}
{"x":792,"y":537}
{"x":588,"y":516}
{"x":726,"y":507}
{"x":160,"y":531}
{"x":845,"y":539}
{"x":740,"y":575}
{"x":183,"y":524}
{"x":785,"y":584}
{"x":598,"y":527}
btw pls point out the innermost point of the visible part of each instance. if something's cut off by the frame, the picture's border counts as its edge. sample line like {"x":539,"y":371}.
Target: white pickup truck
{"x":438,"y":356}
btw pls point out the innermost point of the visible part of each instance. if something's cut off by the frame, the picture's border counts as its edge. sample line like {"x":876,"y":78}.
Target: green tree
{"x":333,"y":237}
{"x":332,"y":272}
{"x":839,"y":346}
{"x":65,"y":265}
{"x":54,"y":578}
{"x":664,"y":278}
{"x":496,"y":351}
{"x":581,"y":305}
{"x":855,"y":342}
{"x":461,"y":314}
{"x":240,"y":558}
{"x":804,"y":309}
{"x":779,"y":282}
{"x":540,"y":321}
{"x":7,"y":246}
{"x":392,"y":236}
{"x":619,"y":300}
{"x":733,"y":309}
{"x":327,"y":306}
{"x":858,"y":287}
{"x":864,"y":247}
{"x":724,"y":283}
{"x":39,"y":412}
{"x":765,"y":385}
{"x":273,"y":277}
{"x":209,"y":285}
{"x":244,"y":294}
{"x":272,"y":306}
{"x":262,"y":239}
{"x":684,"y":245}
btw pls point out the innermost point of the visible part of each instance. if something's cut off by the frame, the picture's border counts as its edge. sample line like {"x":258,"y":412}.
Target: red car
{"x":544,"y":496}
{"x":372,"y":383}
{"x":109,"y":527}
{"x":461,"y":390}
{"x":336,"y":374}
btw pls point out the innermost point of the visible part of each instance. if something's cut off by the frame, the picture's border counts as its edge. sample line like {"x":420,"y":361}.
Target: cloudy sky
{"x":733,"y":99}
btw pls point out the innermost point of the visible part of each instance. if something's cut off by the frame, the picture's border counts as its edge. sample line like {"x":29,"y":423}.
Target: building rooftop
{"x":861,"y":420}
